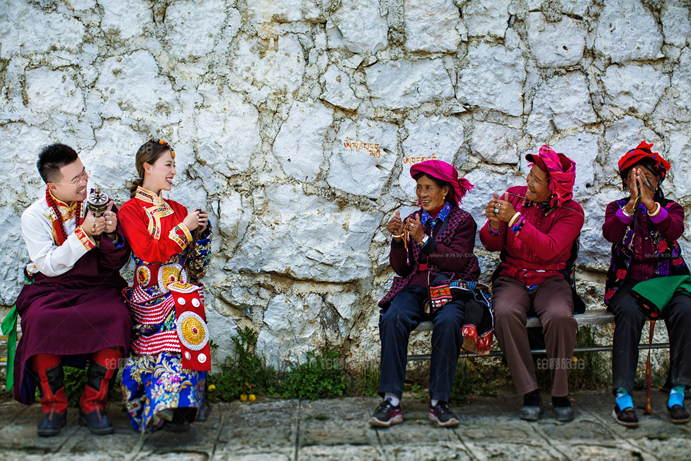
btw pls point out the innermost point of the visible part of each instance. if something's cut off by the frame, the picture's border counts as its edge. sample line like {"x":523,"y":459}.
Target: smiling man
{"x":72,"y":312}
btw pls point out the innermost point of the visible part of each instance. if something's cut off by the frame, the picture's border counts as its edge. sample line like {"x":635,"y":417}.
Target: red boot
{"x":92,"y":402}
{"x":48,"y":368}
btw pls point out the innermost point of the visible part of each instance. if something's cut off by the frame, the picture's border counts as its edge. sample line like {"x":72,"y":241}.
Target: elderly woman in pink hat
{"x":435,"y":242}
{"x":535,"y":227}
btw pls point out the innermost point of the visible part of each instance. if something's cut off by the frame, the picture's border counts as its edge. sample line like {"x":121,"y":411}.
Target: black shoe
{"x":442,"y":414}
{"x":563,"y":411}
{"x":626,"y":417}
{"x":386,"y":414}
{"x":96,"y":422}
{"x":678,"y":414}
{"x":51,"y":424}
{"x":531,"y":410}
{"x":180,"y":426}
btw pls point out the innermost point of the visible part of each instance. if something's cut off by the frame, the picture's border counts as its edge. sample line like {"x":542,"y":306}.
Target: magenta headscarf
{"x":445,"y":172}
{"x":561,"y":170}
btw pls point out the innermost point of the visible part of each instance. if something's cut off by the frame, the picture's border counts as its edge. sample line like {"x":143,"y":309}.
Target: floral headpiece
{"x":164,"y":143}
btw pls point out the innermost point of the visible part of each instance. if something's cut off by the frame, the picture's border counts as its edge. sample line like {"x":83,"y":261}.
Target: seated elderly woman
{"x":441,"y":242}
{"x":535,"y":227}
{"x":647,"y":269}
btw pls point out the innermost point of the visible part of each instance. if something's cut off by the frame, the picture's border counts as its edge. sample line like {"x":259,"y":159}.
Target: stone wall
{"x":296,"y":121}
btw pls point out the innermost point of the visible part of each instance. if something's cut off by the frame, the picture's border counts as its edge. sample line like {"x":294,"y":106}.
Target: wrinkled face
{"x":71,"y":187}
{"x":159,"y":176}
{"x":431,"y":196}
{"x":653,"y":180}
{"x":538,"y":185}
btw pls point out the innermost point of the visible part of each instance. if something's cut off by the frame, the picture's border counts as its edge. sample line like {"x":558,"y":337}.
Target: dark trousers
{"x":629,"y":319}
{"x":402,"y":317}
{"x":552,"y":301}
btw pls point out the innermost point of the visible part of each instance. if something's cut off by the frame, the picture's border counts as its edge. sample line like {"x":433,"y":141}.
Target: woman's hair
{"x":649,"y":164}
{"x":149,"y":152}
{"x":440,"y":184}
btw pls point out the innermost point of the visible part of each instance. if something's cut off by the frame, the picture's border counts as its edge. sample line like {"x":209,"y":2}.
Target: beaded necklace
{"x":60,"y":233}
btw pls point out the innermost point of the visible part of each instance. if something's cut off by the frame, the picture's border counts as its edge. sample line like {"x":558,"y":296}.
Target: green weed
{"x":320,"y":376}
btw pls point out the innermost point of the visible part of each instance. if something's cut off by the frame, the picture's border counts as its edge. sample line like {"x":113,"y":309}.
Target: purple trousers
{"x":552,"y":301}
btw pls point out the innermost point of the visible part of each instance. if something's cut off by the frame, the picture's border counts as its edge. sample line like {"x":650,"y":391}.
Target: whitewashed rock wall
{"x":296,"y":121}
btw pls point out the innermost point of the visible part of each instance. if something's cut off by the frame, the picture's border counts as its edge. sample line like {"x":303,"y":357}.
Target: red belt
{"x":422,"y":267}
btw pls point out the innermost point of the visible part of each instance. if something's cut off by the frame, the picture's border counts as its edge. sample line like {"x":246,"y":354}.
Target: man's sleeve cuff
{"x":84,"y":239}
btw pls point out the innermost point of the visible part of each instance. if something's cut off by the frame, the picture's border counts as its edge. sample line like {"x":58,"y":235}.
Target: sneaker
{"x":626,"y":417}
{"x":386,"y":415}
{"x":442,"y":414}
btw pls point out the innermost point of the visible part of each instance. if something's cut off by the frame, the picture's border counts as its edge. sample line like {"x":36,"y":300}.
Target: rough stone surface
{"x":271,"y":429}
{"x":637,"y":87}
{"x":558,"y":44}
{"x":493,"y":79}
{"x":562,"y":103}
{"x":400,"y":84}
{"x":619,"y":32}
{"x":295,"y":123}
{"x":486,"y":17}
{"x":432,"y":25}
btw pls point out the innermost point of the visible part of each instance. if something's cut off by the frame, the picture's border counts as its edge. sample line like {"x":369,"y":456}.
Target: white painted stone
{"x":299,"y":145}
{"x":435,"y":136}
{"x":679,"y":155}
{"x":495,"y":143}
{"x":329,"y":251}
{"x":235,"y":128}
{"x":359,"y":27}
{"x":26,"y":29}
{"x":555,"y":44}
{"x":576,"y":7}
{"x":595,"y":251}
{"x":196,"y":26}
{"x":13,"y":255}
{"x":637,"y":87}
{"x":126,"y":18}
{"x":399,"y":84}
{"x":676,"y":26}
{"x":233,"y":219}
{"x":433,"y":26}
{"x":53,"y":91}
{"x":337,"y":90}
{"x":493,"y":79}
{"x":290,"y":329}
{"x":267,"y":11}
{"x":619,"y":34}
{"x":280,"y":69}
{"x":486,"y":17}
{"x":681,"y":80}
{"x":562,"y":100}
{"x":622,"y":136}
{"x":362,"y":157}
{"x":584,"y":150}
{"x":122,"y":89}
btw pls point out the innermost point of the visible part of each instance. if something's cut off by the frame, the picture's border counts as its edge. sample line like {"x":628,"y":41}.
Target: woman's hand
{"x":396,"y":225}
{"x":647,"y":195}
{"x":192,"y":220}
{"x":203,"y":220}
{"x":415,"y":228}
{"x":499,"y":209}
{"x":494,"y":221}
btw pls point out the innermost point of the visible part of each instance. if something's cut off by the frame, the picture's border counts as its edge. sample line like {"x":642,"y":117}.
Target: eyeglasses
{"x":84,"y":177}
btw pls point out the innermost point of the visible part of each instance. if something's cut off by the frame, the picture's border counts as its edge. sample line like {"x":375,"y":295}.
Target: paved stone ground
{"x":338,"y":429}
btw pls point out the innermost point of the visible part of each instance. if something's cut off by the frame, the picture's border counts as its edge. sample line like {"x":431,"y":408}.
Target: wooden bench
{"x":593,"y":317}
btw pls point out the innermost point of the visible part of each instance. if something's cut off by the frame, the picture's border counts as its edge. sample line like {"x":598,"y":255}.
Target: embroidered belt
{"x":193,"y":332}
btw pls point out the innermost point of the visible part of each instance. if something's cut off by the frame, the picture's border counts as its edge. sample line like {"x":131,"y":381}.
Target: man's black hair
{"x":52,"y":158}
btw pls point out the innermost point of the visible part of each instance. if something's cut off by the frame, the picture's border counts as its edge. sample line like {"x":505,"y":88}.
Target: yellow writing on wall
{"x":413,"y":160}
{"x":371,"y":147}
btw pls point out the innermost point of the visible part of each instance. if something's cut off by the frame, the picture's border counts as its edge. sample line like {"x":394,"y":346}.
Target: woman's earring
{"x":443,"y":197}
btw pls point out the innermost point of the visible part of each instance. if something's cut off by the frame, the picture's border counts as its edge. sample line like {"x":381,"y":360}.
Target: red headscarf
{"x":561,"y":171}
{"x":445,"y":172}
{"x":639,"y":153}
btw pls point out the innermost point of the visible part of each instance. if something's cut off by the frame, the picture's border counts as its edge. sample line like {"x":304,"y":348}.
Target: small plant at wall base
{"x":320,"y":376}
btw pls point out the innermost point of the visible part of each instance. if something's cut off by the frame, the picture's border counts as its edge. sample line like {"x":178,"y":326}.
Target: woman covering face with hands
{"x":646,"y":262}
{"x":434,"y":242}
{"x":535,"y":226}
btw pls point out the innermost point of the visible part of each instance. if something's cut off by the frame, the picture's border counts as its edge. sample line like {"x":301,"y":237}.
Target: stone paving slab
{"x":337,"y":430}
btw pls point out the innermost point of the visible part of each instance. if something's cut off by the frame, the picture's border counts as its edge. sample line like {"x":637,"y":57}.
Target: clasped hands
{"x":414,"y":225}
{"x":498,"y":210}
{"x":639,"y":184}
{"x":106,"y":224}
